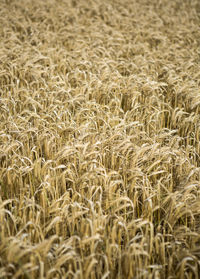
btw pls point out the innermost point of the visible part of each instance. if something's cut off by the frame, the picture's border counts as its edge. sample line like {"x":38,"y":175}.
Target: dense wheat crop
{"x":99,"y":139}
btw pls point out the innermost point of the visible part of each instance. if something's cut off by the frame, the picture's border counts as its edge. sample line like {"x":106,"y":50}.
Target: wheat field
{"x":99,"y":139}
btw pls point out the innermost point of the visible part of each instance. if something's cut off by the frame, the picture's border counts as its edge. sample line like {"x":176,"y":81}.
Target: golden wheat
{"x":99,"y":139}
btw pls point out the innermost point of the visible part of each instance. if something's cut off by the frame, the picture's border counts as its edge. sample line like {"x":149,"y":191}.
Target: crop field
{"x":99,"y":139}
